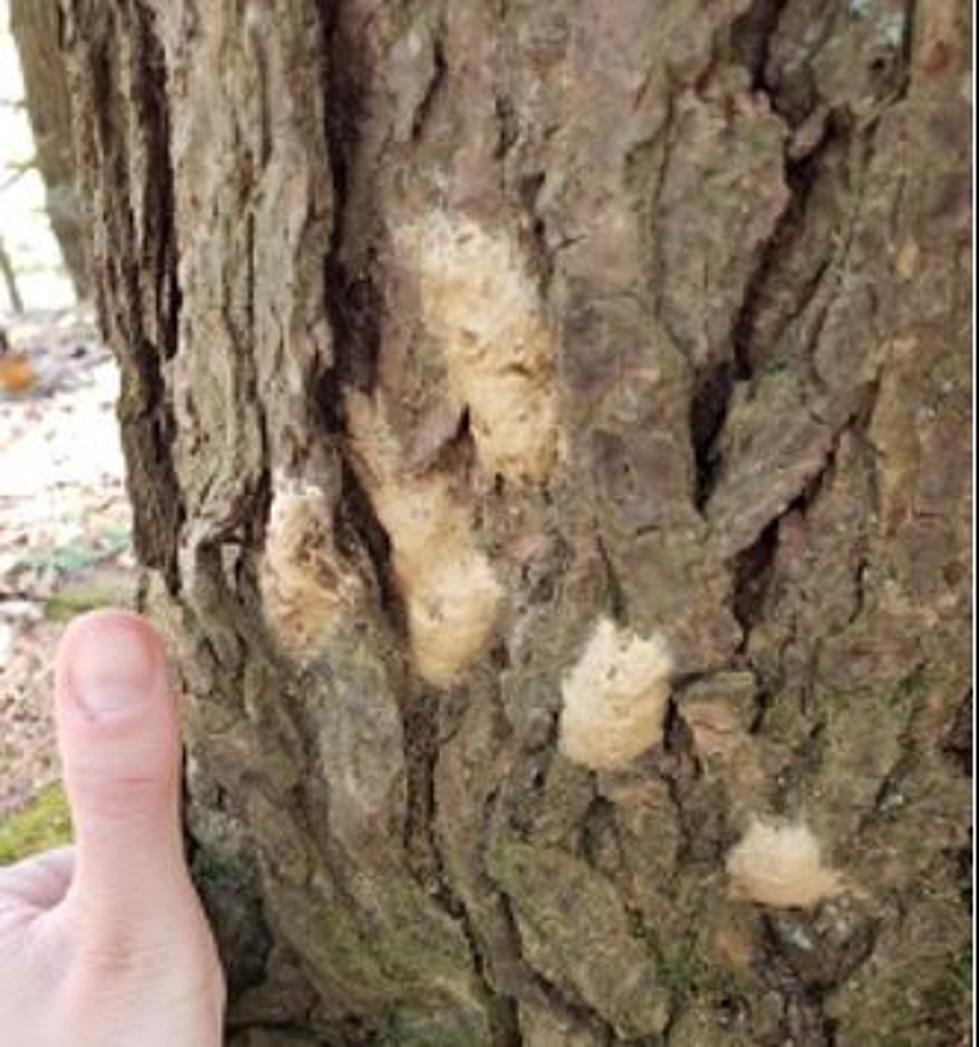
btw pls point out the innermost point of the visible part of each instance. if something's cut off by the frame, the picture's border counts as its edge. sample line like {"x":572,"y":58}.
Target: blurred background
{"x":64,"y":518}
{"x":35,"y":274}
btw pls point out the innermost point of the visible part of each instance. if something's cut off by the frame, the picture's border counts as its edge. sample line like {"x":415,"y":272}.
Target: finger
{"x":39,"y":881}
{"x":119,"y":743}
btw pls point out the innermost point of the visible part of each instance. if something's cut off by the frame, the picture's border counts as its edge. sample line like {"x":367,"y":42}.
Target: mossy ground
{"x":44,"y":823}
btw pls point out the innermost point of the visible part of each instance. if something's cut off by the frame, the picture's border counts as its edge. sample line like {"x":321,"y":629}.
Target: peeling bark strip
{"x":473,"y":358}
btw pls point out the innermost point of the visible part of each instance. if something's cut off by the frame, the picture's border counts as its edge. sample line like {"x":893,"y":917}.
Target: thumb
{"x":120,"y":750}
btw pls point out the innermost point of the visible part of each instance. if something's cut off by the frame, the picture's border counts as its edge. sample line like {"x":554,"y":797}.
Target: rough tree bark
{"x":548,"y":429}
{"x":36,"y":29}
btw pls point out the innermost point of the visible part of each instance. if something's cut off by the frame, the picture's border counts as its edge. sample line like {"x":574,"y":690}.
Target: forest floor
{"x":64,"y":541}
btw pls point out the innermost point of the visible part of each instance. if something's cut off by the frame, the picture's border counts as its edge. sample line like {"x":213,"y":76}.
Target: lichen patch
{"x":781,"y":866}
{"x":452,"y":596}
{"x":303,"y":582}
{"x":615,"y":697}
{"x":482,"y":305}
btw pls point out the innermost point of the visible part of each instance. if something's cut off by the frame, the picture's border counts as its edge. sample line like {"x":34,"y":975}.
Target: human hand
{"x":105,"y":944}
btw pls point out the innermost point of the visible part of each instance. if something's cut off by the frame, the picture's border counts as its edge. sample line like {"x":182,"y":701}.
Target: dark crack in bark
{"x":752,"y":574}
{"x":432,"y":92}
{"x":708,"y":411}
{"x":137,"y":254}
{"x":751,"y":37}
{"x":958,"y":744}
{"x":714,"y":389}
{"x":804,"y":1022}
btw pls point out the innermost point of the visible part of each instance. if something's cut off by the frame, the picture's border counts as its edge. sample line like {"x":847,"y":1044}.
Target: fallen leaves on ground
{"x":65,"y":527}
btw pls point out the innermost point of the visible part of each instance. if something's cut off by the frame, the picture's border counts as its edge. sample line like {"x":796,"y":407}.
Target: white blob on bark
{"x":781,"y":866}
{"x":615,"y":697}
{"x":452,"y":596}
{"x":481,"y":303}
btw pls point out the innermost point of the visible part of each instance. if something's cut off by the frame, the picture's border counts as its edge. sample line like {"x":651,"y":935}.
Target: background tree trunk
{"x":473,"y":352}
{"x":36,"y":28}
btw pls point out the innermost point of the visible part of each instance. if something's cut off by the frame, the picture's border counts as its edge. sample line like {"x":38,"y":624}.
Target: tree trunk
{"x":548,"y":430}
{"x":36,"y":28}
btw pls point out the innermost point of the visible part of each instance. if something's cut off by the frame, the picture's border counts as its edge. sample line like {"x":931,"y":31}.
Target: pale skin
{"x":105,"y":944}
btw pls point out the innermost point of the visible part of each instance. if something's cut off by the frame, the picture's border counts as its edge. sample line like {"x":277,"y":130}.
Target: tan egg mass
{"x":781,"y":866}
{"x":303,"y":582}
{"x":481,"y":304}
{"x":615,"y":697}
{"x":452,"y":596}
